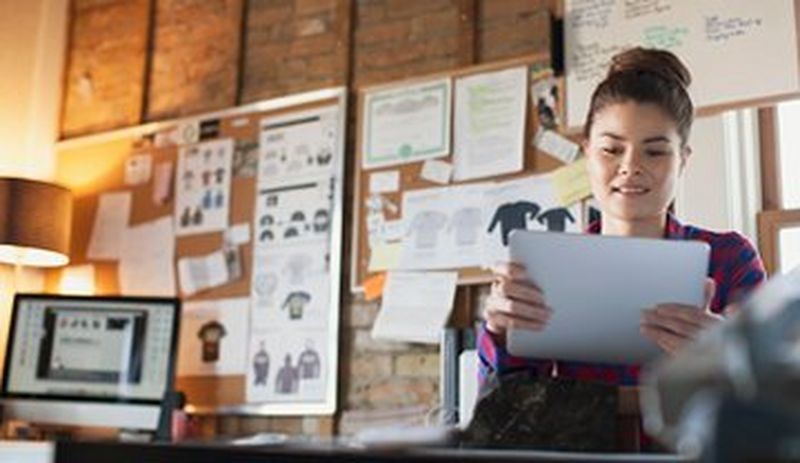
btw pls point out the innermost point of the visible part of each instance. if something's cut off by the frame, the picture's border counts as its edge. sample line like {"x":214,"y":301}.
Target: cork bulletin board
{"x":410,"y":178}
{"x":96,"y":165}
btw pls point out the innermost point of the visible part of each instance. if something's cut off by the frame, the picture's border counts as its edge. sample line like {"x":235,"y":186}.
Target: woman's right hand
{"x":515,"y":302}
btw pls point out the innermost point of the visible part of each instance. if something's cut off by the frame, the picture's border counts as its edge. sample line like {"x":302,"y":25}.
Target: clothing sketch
{"x":261,"y":366}
{"x":288,"y":379}
{"x":556,"y":219}
{"x":295,"y":303}
{"x":513,"y":216}
{"x":466,"y":222}
{"x":211,"y":334}
{"x":296,"y":268}
{"x":426,"y":227}
{"x":308,"y":364}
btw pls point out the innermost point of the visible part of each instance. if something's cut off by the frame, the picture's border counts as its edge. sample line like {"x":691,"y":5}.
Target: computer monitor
{"x":90,"y":361}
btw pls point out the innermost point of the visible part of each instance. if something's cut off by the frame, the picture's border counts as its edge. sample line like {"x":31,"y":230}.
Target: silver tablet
{"x":597,"y":286}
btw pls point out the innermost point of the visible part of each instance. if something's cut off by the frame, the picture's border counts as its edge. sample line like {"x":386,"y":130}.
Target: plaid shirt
{"x":734,"y":265}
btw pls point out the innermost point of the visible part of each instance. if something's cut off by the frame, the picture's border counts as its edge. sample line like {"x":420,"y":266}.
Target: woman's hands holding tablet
{"x":514,"y":302}
{"x":671,"y":326}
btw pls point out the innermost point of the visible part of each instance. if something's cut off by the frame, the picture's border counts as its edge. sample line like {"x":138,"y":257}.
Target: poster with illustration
{"x":202,"y":187}
{"x":291,"y":286}
{"x":443,"y":227}
{"x":212,"y":337}
{"x":285,"y":367}
{"x":293,"y":213}
{"x":298,"y":145}
{"x":527,"y":203}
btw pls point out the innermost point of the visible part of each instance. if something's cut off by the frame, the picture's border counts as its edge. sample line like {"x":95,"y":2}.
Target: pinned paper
{"x":110,"y":222}
{"x":146,"y":259}
{"x":162,"y":183}
{"x":415,"y":306}
{"x":557,"y":146}
{"x":385,"y":256}
{"x":208,"y":271}
{"x":373,"y":286}
{"x":437,"y":171}
{"x":138,"y":169}
{"x":238,"y":234}
{"x":571,"y":183}
{"x":384,"y":182}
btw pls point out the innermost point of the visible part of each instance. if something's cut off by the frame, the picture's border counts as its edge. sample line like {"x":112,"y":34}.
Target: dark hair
{"x":645,"y":75}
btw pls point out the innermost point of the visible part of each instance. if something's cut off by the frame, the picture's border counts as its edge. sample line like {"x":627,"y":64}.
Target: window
{"x":779,"y":223}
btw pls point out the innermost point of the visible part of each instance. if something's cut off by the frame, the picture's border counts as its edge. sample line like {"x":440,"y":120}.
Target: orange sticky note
{"x":373,"y":286}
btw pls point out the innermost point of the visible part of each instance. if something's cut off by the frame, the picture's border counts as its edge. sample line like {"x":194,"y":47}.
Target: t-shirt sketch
{"x":466,"y":222}
{"x":296,"y":268}
{"x":556,"y":219}
{"x":513,"y":216}
{"x":210,"y":334}
{"x":309,"y":364}
{"x":426,"y":226}
{"x":296,"y":302}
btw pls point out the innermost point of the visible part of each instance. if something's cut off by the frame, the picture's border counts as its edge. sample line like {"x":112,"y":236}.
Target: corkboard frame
{"x":94,"y":164}
{"x":535,"y":162}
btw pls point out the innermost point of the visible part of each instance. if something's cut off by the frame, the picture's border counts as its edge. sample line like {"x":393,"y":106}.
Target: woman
{"x":636,"y":135}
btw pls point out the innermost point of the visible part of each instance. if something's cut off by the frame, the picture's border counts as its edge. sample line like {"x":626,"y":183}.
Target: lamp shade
{"x":35,"y":223}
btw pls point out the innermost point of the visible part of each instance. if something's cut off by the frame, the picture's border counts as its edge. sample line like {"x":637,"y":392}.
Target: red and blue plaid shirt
{"x":734,"y":265}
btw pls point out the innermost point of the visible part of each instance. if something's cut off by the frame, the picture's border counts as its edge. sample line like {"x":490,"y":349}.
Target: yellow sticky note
{"x":373,"y":286}
{"x":572,"y":183}
{"x":384,"y":257}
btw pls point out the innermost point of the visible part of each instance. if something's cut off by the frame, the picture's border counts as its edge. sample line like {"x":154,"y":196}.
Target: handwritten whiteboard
{"x":738,"y":51}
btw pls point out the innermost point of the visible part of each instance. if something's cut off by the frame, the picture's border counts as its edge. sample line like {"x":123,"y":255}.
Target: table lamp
{"x":35,"y":223}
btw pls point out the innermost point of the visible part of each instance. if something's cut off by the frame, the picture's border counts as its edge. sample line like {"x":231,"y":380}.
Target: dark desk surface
{"x":84,"y":452}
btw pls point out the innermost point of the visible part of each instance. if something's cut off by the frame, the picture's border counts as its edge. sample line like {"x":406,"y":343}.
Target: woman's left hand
{"x":671,"y":326}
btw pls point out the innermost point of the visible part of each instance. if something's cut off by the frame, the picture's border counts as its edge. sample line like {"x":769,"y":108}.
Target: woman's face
{"x":634,"y":158}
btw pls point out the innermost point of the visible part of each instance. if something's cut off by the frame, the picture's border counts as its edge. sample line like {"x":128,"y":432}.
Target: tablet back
{"x":597,"y":286}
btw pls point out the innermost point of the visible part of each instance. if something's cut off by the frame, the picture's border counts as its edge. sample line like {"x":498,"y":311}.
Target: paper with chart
{"x":415,"y":306}
{"x":213,"y":334}
{"x":726,"y":44}
{"x":146,"y":259}
{"x":490,"y":123}
{"x":527,"y":203}
{"x":110,"y":222}
{"x":302,"y":144}
{"x":203,"y":185}
{"x":406,"y":124}
{"x":443,"y":227}
{"x":293,"y":213}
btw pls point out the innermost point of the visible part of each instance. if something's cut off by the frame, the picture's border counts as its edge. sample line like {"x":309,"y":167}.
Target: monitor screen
{"x":91,"y":349}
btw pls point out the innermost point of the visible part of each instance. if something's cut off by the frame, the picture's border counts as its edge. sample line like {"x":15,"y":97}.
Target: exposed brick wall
{"x":295,"y":46}
{"x":105,"y":65}
{"x":195,"y":57}
{"x":292,"y":46}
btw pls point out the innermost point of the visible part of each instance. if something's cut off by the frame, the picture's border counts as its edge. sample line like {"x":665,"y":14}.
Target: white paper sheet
{"x":202,"y":272}
{"x":528,"y":203}
{"x":556,"y":145}
{"x":298,"y":145}
{"x":146,"y":259}
{"x":138,"y":169}
{"x":286,"y":366}
{"x":415,"y":306}
{"x":110,"y":222}
{"x":436,"y":171}
{"x":203,"y":185}
{"x":443,"y":227}
{"x":213,"y":334}
{"x":406,"y":124}
{"x":384,"y":182}
{"x":238,"y":234}
{"x":490,"y":123}
{"x":162,"y":183}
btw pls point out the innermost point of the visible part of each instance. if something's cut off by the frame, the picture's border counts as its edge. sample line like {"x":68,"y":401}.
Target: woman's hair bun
{"x":649,"y":60}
